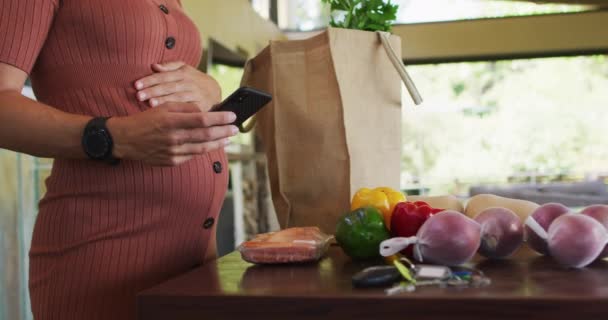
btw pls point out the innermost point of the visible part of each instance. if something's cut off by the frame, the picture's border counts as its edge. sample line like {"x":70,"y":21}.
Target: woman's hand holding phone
{"x":170,"y":134}
{"x":179,"y":126}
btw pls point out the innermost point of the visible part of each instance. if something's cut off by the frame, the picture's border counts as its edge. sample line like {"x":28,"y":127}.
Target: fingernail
{"x":227,"y":142}
{"x":234,"y":130}
{"x":232,"y":117}
{"x":139,"y":85}
{"x":142,"y":96}
{"x":153,"y":102}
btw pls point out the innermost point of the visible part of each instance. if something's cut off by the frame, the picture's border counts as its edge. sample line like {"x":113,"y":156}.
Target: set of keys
{"x":474,"y":281}
{"x":405,"y":276}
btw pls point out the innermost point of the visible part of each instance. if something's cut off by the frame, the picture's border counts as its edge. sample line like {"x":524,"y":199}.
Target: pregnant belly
{"x":86,"y":200}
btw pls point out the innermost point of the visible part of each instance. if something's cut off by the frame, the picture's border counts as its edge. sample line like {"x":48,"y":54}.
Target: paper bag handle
{"x":400,"y":67}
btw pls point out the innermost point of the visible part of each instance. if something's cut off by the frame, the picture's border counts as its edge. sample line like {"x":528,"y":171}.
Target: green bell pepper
{"x":360,"y":233}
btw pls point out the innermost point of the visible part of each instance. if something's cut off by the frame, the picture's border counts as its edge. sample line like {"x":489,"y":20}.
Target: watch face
{"x":97,"y":144}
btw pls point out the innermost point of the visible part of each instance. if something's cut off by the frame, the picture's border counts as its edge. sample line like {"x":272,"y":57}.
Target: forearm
{"x":31,"y":127}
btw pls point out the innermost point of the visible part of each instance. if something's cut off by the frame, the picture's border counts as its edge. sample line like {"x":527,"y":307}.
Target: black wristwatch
{"x":97,"y":141}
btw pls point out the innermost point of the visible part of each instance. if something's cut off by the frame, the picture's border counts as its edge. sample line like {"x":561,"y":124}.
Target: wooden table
{"x":525,"y":286}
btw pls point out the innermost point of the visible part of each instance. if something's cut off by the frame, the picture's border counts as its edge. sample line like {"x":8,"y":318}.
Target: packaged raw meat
{"x":304,"y":244}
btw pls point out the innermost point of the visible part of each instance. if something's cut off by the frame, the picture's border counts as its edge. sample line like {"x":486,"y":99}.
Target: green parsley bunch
{"x":369,"y":15}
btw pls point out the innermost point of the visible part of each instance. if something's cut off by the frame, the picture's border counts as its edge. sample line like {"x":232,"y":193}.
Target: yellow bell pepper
{"x":384,"y":199}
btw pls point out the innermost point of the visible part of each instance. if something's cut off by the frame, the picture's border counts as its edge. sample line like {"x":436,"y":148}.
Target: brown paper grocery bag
{"x":334,"y":124}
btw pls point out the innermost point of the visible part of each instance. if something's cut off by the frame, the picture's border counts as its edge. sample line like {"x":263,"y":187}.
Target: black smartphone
{"x":244,"y":102}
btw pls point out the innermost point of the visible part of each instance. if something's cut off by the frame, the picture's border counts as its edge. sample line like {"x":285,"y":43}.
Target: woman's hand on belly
{"x":170,"y":134}
{"x":178,"y":82}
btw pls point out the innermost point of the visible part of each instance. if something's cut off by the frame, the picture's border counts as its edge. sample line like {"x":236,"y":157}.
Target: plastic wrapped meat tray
{"x":294,"y":245}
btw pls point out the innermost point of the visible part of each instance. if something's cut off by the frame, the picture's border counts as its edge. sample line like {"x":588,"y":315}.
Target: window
{"x":535,"y":120}
{"x":302,"y":15}
{"x":414,"y":11}
{"x":306,"y":15}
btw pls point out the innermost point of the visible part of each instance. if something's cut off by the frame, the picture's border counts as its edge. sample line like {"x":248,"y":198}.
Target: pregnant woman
{"x":139,"y":173}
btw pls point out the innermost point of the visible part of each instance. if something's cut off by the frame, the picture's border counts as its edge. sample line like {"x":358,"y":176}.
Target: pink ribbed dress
{"x":105,"y":233}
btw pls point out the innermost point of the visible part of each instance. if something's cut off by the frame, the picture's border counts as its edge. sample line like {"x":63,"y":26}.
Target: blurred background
{"x":516,"y":103}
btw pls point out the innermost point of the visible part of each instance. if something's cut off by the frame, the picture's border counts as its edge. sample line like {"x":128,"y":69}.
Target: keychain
{"x":416,"y":275}
{"x":472,"y":277}
{"x":380,"y":276}
{"x":425,"y":271}
{"x":434,"y":275}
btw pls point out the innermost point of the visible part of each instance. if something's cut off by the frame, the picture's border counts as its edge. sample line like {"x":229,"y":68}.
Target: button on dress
{"x":104,"y":233}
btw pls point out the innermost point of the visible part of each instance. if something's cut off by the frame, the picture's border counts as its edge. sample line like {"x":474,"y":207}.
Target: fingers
{"x":187,"y":96}
{"x":165,"y":89}
{"x":158,"y":78}
{"x":178,"y":82}
{"x":169,"y":66}
{"x":202,"y":135}
{"x":200,"y":120}
{"x":192,"y":149}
